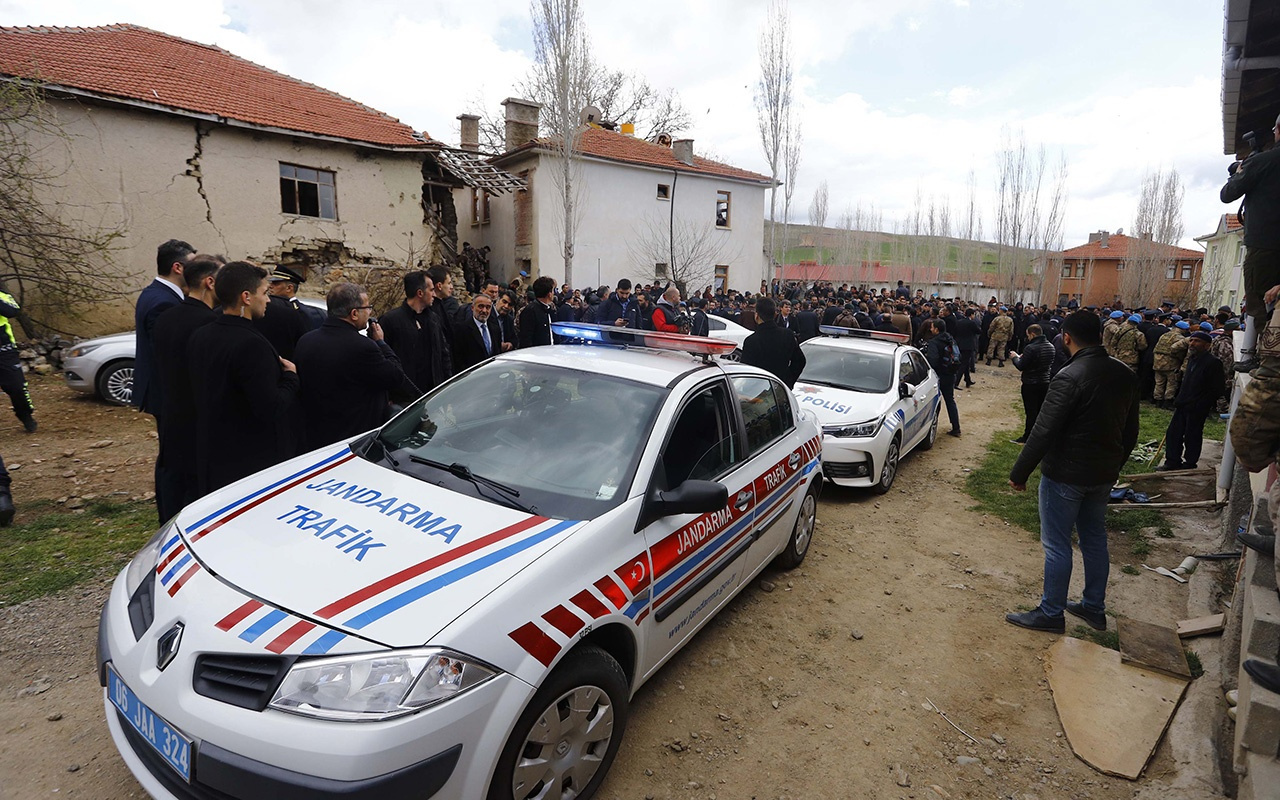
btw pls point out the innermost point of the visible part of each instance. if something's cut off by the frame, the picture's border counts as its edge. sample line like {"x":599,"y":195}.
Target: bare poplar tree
{"x":1157,"y":229}
{"x":54,"y":252}
{"x":969,"y":258}
{"x":773,"y":100}
{"x":818,"y":214}
{"x":1027,"y":222}
{"x":791,"y":161}
{"x":562,"y":62}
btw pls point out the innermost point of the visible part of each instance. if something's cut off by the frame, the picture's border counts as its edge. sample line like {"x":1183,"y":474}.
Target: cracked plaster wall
{"x":159,"y":177}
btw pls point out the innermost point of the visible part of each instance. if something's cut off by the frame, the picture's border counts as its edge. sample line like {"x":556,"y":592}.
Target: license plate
{"x":172,"y":746}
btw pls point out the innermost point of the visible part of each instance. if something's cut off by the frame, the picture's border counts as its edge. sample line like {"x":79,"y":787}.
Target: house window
{"x":721,"y":277}
{"x":1231,"y":298}
{"x":1186,"y":272}
{"x":722,"y":209}
{"x":484,"y":206}
{"x":664,"y":191}
{"x":1066,"y":270}
{"x":1119,"y":266}
{"x":1171,"y":272}
{"x":307,"y":192}
{"x":662,"y":270}
{"x":475,"y":207}
{"x":1063,"y":299}
{"x":1080,"y":269}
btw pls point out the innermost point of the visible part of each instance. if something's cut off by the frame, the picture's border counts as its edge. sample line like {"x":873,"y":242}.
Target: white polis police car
{"x":462,"y":603}
{"x":877,"y":399}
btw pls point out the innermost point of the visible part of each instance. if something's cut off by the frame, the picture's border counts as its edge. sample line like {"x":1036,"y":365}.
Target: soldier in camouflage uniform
{"x":1109,"y":330}
{"x":1223,"y":348}
{"x":1170,"y":355}
{"x":998,"y":336}
{"x":1128,"y":343}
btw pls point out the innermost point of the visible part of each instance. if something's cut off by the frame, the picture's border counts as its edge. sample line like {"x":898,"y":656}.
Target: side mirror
{"x":906,"y":390}
{"x":690,"y":497}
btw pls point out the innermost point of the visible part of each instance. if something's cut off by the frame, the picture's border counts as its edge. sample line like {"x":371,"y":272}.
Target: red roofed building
{"x":634,"y":198}
{"x":169,"y":138}
{"x":1223,"y":281}
{"x":1134,"y":271}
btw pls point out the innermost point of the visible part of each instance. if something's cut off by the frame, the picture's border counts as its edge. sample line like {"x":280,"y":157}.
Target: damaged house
{"x":158,"y":137}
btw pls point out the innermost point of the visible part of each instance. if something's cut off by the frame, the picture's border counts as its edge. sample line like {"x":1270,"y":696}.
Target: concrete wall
{"x":622,"y":225}
{"x":157,"y":176}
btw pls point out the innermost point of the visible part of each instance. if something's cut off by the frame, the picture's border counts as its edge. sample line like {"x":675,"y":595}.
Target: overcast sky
{"x":898,"y":96}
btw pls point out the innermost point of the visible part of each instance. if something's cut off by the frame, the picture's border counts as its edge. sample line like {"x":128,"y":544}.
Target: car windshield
{"x":843,"y":368}
{"x":565,"y":441}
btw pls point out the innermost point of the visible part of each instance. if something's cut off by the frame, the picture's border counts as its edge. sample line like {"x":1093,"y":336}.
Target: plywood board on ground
{"x":1113,"y":714}
{"x":1214,"y":623}
{"x":1144,"y":644}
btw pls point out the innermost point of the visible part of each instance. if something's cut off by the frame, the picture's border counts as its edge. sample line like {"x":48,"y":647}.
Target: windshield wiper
{"x":365,"y":451}
{"x":463,"y":471}
{"x":833,"y":385}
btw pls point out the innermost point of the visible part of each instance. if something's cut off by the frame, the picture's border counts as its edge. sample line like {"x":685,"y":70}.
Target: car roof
{"x":861,"y":345}
{"x":641,"y":364}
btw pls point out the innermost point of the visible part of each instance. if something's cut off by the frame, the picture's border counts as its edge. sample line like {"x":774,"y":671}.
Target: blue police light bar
{"x":859,"y":333}
{"x":657,"y":340}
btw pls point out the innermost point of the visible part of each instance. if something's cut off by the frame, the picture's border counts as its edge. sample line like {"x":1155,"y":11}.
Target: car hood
{"x":841,"y":406}
{"x":355,"y":546}
{"x":114,"y":338}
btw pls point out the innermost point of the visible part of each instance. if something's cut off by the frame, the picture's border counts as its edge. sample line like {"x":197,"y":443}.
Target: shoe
{"x":1190,"y":466}
{"x":1265,"y":675}
{"x":1002,"y":365}
{"x":1265,"y":545}
{"x":988,"y":362}
{"x":1019,"y":440}
{"x":28,"y":424}
{"x":967,"y":385}
{"x":1094,"y":619}
{"x":954,"y":432}
{"x":1037,"y":620}
{"x":6,"y":509}
{"x":1262,"y":518}
{"x":1247,"y":364}
{"x":1168,"y":468}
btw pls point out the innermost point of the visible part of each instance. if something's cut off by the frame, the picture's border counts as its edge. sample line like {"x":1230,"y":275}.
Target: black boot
{"x":1248,"y":362}
{"x":1265,"y":675}
{"x":1265,"y":545}
{"x":6,"y":508}
{"x":28,"y":423}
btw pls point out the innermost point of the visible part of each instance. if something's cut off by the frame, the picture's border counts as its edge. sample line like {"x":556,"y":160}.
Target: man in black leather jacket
{"x":1034,"y":362}
{"x":1087,"y":427}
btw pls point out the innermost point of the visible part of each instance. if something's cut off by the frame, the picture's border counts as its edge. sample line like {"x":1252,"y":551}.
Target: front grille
{"x":844,"y":469}
{"x":245,"y":681}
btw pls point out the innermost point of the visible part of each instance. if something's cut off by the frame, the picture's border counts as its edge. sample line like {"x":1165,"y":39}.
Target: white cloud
{"x":962,"y":95}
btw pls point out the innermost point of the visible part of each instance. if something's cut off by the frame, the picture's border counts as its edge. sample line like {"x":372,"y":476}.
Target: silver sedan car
{"x":104,"y":366}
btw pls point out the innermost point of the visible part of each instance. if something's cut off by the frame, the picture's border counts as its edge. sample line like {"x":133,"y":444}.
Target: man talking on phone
{"x":345,"y":378}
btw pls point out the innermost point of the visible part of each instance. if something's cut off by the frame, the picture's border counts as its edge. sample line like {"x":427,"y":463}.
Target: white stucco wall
{"x":137,"y":170}
{"x":1225,"y":252}
{"x":618,"y":204}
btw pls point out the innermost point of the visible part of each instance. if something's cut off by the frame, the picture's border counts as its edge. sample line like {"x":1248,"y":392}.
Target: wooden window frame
{"x":289,"y":176}
{"x":728,"y":210}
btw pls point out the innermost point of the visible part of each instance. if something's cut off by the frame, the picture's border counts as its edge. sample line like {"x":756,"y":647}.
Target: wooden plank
{"x":1113,"y":714}
{"x":1152,"y":646}
{"x":1214,"y":623}
{"x":1168,"y":474}
{"x":1192,"y":504}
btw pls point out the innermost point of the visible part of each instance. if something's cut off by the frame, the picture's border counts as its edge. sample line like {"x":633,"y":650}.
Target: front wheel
{"x":890,"y":469}
{"x":568,"y":735}
{"x":115,"y":383}
{"x":802,"y":533}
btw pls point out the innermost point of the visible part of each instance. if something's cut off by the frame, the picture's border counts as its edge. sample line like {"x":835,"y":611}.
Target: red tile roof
{"x":613,"y":146}
{"x":1233,"y":223}
{"x":1118,"y":248}
{"x":139,"y":64}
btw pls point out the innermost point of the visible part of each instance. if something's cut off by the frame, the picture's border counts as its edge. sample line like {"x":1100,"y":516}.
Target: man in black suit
{"x":346,"y":379}
{"x":165,"y":290}
{"x":806,"y":322}
{"x":412,"y":332}
{"x":772,"y":348}
{"x":285,"y":283}
{"x":176,"y":479}
{"x":535,"y":320}
{"x":283,"y":324}
{"x":477,"y":336}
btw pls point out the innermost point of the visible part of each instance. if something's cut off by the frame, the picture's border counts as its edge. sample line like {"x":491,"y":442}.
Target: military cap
{"x":1182,"y":324}
{"x":1224,"y":309}
{"x":1149,"y":312}
{"x":1202,"y":336}
{"x":1135,"y":319}
{"x":1117,"y":314}
{"x":1232,"y":324}
{"x":1176,"y":318}
{"x":1206,"y":326}
{"x":285,"y":274}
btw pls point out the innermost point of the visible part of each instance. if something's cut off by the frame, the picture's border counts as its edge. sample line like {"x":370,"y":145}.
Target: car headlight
{"x":859,"y":430}
{"x":82,"y":350}
{"x":377,"y":686}
{"x":145,"y":561}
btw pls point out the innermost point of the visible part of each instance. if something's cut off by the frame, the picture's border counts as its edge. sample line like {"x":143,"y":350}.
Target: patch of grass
{"x":1152,"y":423}
{"x":1193,"y":661}
{"x":989,"y":484}
{"x":55,"y":548}
{"x":1129,"y":569}
{"x":1108,"y":639}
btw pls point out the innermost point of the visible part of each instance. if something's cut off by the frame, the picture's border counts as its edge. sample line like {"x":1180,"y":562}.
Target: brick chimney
{"x":1100,"y":237}
{"x":522,"y":121}
{"x":682,"y":149}
{"x":469,"y":135}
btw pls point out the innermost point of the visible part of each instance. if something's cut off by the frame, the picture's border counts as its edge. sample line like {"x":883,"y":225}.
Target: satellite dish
{"x":663,"y":139}
{"x":589,"y":116}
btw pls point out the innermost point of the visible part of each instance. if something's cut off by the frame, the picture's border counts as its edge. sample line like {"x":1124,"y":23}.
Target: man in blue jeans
{"x":1087,"y":427}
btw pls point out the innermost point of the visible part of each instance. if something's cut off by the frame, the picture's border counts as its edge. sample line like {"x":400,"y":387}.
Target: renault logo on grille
{"x":167,"y":646}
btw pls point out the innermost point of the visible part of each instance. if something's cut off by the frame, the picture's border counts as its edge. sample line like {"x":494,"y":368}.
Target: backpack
{"x":949,"y":353}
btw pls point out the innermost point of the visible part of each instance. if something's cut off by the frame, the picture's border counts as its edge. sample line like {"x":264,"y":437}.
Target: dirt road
{"x":821,"y":683}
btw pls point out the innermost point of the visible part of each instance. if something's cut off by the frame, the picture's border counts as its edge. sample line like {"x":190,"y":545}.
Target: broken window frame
{"x":720,"y":277}
{"x":294,"y":178}
{"x":724,"y":199}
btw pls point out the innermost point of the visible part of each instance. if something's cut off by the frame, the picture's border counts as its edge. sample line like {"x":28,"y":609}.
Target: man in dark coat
{"x":1035,"y":364}
{"x":772,"y":348}
{"x":937,"y":341}
{"x":244,"y":392}
{"x":478,"y":336}
{"x":285,"y":283}
{"x":1202,"y":385}
{"x":966,"y":334}
{"x":165,"y":290}
{"x":700,"y":325}
{"x":613,"y":309}
{"x":534,"y":324}
{"x":283,"y":324}
{"x":346,"y":379}
{"x":176,"y":478}
{"x":1087,"y":427}
{"x":806,"y":323}
{"x":414,"y":335}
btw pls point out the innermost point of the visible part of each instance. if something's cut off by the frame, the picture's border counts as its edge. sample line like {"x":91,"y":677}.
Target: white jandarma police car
{"x":463,"y":603}
{"x":876,"y":398}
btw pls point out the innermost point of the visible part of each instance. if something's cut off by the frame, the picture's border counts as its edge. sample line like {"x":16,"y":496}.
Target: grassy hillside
{"x":836,"y":246}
